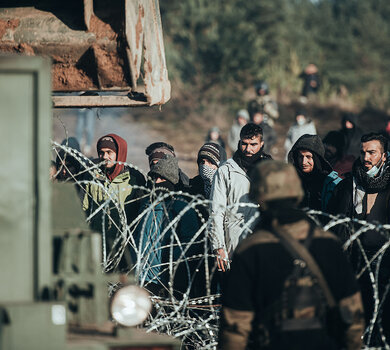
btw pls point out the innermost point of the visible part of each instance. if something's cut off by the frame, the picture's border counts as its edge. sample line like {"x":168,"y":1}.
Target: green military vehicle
{"x":53,"y":294}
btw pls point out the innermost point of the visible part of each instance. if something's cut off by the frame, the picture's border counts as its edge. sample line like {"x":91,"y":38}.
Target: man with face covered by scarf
{"x":229,"y":191}
{"x":365,"y":194}
{"x":111,"y":201}
{"x":317,"y":176}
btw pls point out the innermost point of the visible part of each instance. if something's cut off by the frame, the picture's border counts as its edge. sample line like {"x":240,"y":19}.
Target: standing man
{"x":317,"y":176}
{"x":365,"y":195}
{"x":111,"y":201}
{"x":272,"y":302}
{"x":229,"y":195}
{"x":158,"y":243}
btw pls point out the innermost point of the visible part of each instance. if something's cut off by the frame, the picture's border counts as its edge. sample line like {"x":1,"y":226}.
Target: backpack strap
{"x":299,"y":251}
{"x":331,"y":181}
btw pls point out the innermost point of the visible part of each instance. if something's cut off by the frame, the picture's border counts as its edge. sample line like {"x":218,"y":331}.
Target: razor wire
{"x":180,"y":269}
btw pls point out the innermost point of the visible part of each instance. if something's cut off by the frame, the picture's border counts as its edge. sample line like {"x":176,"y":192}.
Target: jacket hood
{"x":121,"y":155}
{"x":313,"y":144}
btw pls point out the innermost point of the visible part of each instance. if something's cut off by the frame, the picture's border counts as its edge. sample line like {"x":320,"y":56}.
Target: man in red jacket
{"x":111,"y":201}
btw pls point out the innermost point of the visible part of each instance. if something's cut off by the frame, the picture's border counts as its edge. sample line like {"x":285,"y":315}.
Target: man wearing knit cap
{"x":111,"y":201}
{"x":317,"y":176}
{"x":210,"y":157}
{"x":157,"y":151}
{"x":231,"y":217}
{"x":153,"y":239}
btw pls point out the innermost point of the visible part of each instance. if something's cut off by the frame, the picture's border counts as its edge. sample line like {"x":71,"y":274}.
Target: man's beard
{"x":107,"y":170}
{"x":246,"y":162}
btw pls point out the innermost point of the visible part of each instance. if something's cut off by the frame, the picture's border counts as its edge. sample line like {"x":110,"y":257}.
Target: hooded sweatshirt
{"x":121,"y":155}
{"x":319,"y":184}
{"x":115,"y":188}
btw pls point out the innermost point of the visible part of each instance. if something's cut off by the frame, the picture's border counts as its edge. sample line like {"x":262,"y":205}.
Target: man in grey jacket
{"x":233,"y":215}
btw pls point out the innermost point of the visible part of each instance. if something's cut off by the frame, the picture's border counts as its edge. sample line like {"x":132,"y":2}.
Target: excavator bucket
{"x":112,"y":51}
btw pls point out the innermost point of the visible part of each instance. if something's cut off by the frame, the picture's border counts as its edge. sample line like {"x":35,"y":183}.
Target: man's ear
{"x":261,"y":144}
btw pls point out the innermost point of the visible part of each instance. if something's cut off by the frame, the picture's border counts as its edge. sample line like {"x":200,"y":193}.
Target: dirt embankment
{"x":186,"y":131}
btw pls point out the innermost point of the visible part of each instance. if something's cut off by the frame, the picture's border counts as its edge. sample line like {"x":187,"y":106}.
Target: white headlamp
{"x":130,"y":306}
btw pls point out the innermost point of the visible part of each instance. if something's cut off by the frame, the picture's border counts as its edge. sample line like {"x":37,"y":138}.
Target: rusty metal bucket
{"x":95,"y":45}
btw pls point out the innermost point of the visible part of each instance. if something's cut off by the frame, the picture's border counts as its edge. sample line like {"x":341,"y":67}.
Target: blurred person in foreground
{"x":283,"y":291}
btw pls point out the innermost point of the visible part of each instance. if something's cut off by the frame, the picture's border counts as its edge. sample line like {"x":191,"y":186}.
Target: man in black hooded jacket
{"x":317,"y":176}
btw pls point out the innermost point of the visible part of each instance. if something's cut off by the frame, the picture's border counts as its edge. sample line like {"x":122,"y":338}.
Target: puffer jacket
{"x":228,"y":216}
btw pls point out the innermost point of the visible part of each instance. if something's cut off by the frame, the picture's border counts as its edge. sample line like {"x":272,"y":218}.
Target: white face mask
{"x":375,"y":169}
{"x":301,"y":121}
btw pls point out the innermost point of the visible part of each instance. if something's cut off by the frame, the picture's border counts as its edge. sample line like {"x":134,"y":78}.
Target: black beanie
{"x":107,"y":142}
